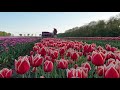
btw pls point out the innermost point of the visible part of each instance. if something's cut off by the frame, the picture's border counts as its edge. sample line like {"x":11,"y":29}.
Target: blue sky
{"x":36,"y":22}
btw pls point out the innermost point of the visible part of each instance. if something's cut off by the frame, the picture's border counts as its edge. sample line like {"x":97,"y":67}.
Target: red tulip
{"x":74,"y":56}
{"x":97,"y":59}
{"x":85,"y":48}
{"x":93,"y":45}
{"x":47,"y":58}
{"x":84,"y":72}
{"x":108,"y":47}
{"x":75,"y":66}
{"x":80,"y":54}
{"x":77,"y":73}
{"x":110,"y":61}
{"x":108,"y":55}
{"x":100,"y":70}
{"x":88,"y":57}
{"x":62,"y":64}
{"x":72,"y":73}
{"x":53,"y":60}
{"x":77,"y":48}
{"x":99,"y":48}
{"x":5,"y":73}
{"x":68,"y":54}
{"x":62,"y":51}
{"x":112,"y":55}
{"x":43,"y":51}
{"x":35,"y":48}
{"x":90,"y":48}
{"x":113,"y":49}
{"x":117,"y":56}
{"x":48,"y":66}
{"x":104,"y":51}
{"x":31,"y":52}
{"x":112,"y":73}
{"x":54,"y":54}
{"x":22,"y":65}
{"x":86,"y":65}
{"x":36,"y":61}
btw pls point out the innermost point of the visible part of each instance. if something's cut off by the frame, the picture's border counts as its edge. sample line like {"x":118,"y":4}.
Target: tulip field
{"x":31,"y":57}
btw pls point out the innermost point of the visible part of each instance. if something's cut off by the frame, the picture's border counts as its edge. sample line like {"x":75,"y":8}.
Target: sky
{"x":36,"y":22}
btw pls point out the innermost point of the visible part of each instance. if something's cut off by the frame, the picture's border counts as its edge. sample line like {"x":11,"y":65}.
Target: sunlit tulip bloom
{"x":22,"y":65}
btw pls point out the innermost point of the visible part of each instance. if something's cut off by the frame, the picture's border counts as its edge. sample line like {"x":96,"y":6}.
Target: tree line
{"x":100,"y":28}
{"x":3,"y":33}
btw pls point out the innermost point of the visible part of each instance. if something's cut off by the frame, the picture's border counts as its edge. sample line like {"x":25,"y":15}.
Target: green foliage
{"x":2,"y":33}
{"x":100,"y":28}
{"x":7,"y":58}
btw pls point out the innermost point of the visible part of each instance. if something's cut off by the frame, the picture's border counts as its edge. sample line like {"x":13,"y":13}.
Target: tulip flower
{"x":48,"y":66}
{"x":108,"y":47}
{"x":43,"y":51}
{"x":5,"y":73}
{"x":54,"y":54}
{"x":36,"y":61}
{"x":86,"y":65}
{"x":100,"y":70}
{"x":22,"y":65}
{"x":97,"y":59}
{"x":77,"y":73}
{"x":112,"y":73}
{"x":62,"y":64}
{"x":62,"y":51}
{"x":74,"y":56}
{"x":88,"y":57}
{"x":31,"y":52}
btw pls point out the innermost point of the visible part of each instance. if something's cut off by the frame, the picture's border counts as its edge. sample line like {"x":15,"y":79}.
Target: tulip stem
{"x":62,"y":73}
{"x":29,"y":74}
{"x":36,"y":74}
{"x":23,"y":76}
{"x":48,"y":74}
